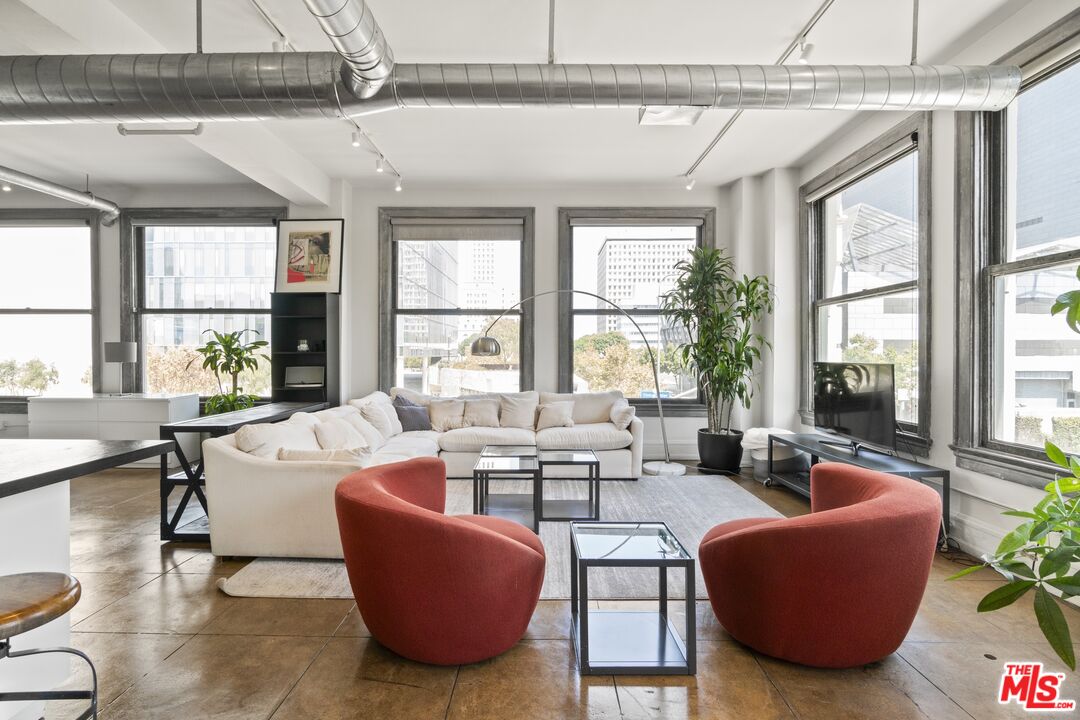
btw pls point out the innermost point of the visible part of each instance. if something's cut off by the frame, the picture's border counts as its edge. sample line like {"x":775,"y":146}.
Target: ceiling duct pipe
{"x":110,"y":211}
{"x":355,"y":33}
{"x":285,"y":86}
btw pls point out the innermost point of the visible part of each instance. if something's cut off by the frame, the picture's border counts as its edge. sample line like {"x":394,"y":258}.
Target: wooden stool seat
{"x":29,"y":600}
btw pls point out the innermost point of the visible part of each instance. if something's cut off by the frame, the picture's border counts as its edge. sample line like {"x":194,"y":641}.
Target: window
{"x":866,"y":234}
{"x":194,"y":275}
{"x":47,"y":333}
{"x":451,"y":274}
{"x":627,"y":257}
{"x":1021,"y":248}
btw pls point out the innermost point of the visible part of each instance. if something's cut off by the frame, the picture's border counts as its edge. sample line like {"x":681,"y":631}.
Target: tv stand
{"x":822,"y":447}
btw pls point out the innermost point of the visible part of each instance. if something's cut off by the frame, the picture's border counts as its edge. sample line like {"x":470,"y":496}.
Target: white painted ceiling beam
{"x":101,"y":26}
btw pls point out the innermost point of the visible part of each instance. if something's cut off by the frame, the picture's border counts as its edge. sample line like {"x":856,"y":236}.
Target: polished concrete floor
{"x":168,"y":644}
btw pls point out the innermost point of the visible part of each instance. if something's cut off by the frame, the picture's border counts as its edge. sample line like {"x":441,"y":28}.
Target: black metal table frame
{"x":917,"y":471}
{"x":593,"y":479}
{"x":482,"y":488}
{"x":579,"y":607}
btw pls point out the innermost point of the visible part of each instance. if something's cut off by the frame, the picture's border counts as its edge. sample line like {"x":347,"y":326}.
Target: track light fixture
{"x":805,"y":49}
{"x":281,"y":45}
{"x":379,"y":165}
{"x":5,"y":187}
{"x":690,"y":182}
{"x":398,"y":186}
{"x":355,"y":139}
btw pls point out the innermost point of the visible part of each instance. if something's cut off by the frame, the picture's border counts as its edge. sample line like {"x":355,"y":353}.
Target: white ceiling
{"x":477,"y":146}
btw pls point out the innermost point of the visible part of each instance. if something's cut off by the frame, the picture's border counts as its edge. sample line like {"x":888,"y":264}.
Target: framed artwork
{"x":309,"y":255}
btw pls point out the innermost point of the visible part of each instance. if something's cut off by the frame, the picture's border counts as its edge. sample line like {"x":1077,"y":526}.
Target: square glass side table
{"x":574,"y":509}
{"x":522,"y":508}
{"x":624,"y":642}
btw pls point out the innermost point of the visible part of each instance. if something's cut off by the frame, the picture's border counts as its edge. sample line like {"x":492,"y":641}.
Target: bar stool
{"x":28,"y":601}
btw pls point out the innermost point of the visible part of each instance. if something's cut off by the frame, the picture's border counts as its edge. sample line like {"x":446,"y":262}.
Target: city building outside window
{"x":47,"y":335}
{"x":451,"y":274}
{"x":628,"y":257}
{"x":1021,"y":249}
{"x":866,"y":238}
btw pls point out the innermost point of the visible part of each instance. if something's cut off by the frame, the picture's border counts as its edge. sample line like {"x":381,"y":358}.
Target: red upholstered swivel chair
{"x":431,"y":587}
{"x":837,"y":588}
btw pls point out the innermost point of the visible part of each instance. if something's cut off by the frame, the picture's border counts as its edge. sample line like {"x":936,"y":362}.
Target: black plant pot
{"x":720,"y":451}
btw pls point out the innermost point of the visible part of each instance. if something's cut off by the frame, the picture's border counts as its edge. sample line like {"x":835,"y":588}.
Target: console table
{"x":196,"y":527}
{"x":815,"y":446}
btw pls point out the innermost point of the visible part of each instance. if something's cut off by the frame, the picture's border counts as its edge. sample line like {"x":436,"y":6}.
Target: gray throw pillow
{"x":411,"y":415}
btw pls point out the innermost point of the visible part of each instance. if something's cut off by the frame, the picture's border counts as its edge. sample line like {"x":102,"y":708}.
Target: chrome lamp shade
{"x":485,"y":346}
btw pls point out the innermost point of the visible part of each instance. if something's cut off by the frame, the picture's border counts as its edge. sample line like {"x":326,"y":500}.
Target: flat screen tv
{"x":856,"y":401}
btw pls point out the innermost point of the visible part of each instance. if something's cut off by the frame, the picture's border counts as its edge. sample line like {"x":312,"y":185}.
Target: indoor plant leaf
{"x":1053,"y":625}
{"x":1005,"y":595}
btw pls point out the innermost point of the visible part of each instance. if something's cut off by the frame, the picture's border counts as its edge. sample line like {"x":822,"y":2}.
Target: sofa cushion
{"x":518,"y":409}
{"x":473,"y":439}
{"x":383,"y":417}
{"x":555,"y":414}
{"x":265,"y":439}
{"x":410,"y":445}
{"x":446,"y":414}
{"x":354,"y":457}
{"x":303,"y":418}
{"x":622,"y":414}
{"x":339,"y":412}
{"x":483,"y":413}
{"x":588,"y":407}
{"x":413,"y":417}
{"x":370,"y":432}
{"x":594,"y":436}
{"x":336,"y":434}
{"x":416,"y":398}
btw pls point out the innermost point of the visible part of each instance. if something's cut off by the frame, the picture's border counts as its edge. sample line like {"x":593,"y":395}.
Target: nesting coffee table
{"x":525,"y":462}
{"x":625,"y":642}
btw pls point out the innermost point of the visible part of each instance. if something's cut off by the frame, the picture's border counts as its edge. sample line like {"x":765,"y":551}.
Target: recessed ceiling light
{"x":669,"y":114}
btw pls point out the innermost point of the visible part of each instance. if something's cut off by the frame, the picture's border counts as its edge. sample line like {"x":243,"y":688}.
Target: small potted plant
{"x":718,"y":311}
{"x":228,"y":355}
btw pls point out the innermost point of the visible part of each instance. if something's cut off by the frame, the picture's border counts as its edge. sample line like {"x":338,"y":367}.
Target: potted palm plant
{"x":226,"y":354}
{"x":718,"y":310}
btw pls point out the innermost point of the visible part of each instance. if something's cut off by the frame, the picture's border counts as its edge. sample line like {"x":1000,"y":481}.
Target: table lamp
{"x":121,"y":352}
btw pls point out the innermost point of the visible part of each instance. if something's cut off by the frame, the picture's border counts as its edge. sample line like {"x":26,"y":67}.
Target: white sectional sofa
{"x":263,"y":506}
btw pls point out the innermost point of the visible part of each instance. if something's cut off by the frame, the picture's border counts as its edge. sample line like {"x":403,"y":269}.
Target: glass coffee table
{"x":508,"y":462}
{"x":572,"y":509}
{"x":625,"y":642}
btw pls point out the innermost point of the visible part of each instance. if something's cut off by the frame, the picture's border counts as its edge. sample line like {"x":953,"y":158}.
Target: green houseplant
{"x":1039,"y":554}
{"x":718,"y":310}
{"x":227,"y":355}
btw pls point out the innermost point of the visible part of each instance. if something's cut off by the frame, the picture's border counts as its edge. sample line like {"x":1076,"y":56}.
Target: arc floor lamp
{"x":488,"y":346}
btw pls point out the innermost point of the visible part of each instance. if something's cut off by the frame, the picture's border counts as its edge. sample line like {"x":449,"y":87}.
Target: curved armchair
{"x":837,"y":588}
{"x":431,"y":587}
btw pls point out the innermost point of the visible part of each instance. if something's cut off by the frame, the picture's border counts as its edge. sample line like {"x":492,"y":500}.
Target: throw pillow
{"x":481,"y":413}
{"x":447,"y":414}
{"x":622,"y":414}
{"x":356,"y":457}
{"x":412,"y":416}
{"x":337,"y":434}
{"x":416,"y":398}
{"x":383,"y":417}
{"x":518,"y":409}
{"x":556,"y":414}
{"x":588,"y":407}
{"x":374,"y":438}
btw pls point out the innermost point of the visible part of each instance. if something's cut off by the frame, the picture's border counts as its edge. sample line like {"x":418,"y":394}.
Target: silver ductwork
{"x":110,"y":210}
{"x":744,"y":87}
{"x":355,"y":33}
{"x":277,"y":86}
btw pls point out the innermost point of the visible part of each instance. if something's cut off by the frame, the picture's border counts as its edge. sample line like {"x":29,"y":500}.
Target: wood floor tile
{"x":182,"y":604}
{"x":216,"y":677}
{"x":536,"y":679}
{"x":280,"y":616}
{"x":358,"y":678}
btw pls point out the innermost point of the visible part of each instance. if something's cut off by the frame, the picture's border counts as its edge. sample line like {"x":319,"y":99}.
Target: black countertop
{"x":32,"y":464}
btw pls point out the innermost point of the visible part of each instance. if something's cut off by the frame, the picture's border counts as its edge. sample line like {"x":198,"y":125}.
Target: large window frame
{"x":133,"y":278}
{"x":982,"y":234}
{"x":388,"y":289}
{"x":705,"y":220}
{"x":913,"y":135}
{"x":62,"y":217}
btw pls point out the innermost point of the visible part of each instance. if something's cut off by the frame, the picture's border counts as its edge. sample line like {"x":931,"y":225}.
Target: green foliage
{"x":32,"y":377}
{"x":607,"y":362}
{"x":1029,"y":430}
{"x":1065,"y":432}
{"x":228,"y":355}
{"x":864,"y":349}
{"x":600,"y":343}
{"x":718,"y":310}
{"x":1069,"y":302}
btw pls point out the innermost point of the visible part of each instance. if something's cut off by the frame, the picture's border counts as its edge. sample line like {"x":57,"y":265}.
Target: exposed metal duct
{"x":356,"y":34}
{"x":110,"y":210}
{"x":748,"y":87}
{"x":269,"y":86}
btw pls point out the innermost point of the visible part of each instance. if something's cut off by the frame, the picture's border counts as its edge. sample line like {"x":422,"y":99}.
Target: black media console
{"x":822,"y":447}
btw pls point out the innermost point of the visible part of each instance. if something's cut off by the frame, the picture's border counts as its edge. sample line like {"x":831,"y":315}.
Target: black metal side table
{"x":508,"y":462}
{"x":573,"y":509}
{"x":625,"y":642}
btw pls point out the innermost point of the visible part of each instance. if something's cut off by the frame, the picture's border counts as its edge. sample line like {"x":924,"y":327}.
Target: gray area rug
{"x":690,"y":505}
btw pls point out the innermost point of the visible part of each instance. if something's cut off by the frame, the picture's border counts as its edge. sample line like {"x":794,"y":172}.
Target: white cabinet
{"x":115,"y":417}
